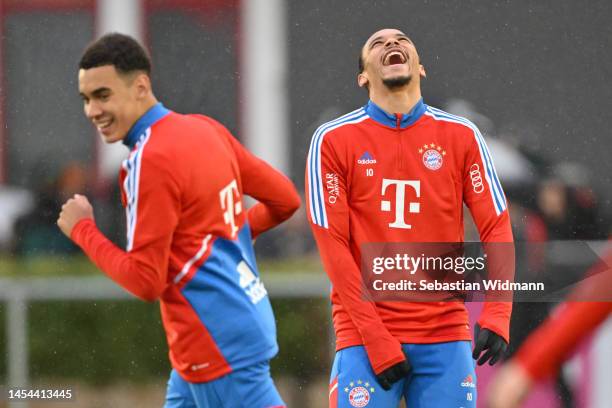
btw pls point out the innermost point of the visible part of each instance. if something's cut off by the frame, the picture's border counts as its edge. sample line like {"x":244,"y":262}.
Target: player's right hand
{"x":73,"y":211}
{"x":509,"y":387}
{"x":393,"y":374}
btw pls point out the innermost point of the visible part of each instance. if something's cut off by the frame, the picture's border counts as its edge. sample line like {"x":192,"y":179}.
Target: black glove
{"x":393,"y":374}
{"x":493,"y":343}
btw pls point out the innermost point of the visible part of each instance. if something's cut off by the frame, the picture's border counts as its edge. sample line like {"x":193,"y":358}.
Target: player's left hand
{"x":73,"y":211}
{"x":509,"y":387}
{"x":493,"y":344}
{"x":393,"y":374}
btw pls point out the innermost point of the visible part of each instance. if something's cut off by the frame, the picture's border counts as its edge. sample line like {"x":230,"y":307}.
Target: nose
{"x":391,"y":41}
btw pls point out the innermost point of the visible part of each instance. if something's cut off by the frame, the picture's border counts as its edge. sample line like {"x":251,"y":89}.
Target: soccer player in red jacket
{"x":189,"y":236}
{"x":540,"y":357}
{"x":397,"y":170}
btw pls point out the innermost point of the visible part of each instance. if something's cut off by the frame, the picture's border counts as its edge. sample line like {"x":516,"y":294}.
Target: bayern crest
{"x":359,"y":393}
{"x":359,"y":397}
{"x":433,"y":156}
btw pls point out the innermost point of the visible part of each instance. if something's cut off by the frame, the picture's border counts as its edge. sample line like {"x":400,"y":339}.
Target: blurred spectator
{"x":552,"y":202}
{"x":569,"y":205}
{"x":291,"y":239}
{"x":36,"y":233}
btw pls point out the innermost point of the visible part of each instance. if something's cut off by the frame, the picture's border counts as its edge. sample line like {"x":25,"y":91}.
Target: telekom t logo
{"x":231,"y":204}
{"x":400,"y":194}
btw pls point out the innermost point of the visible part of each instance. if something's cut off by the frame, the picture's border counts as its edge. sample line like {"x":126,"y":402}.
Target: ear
{"x":142,"y":83}
{"x":422,"y":72}
{"x":362,"y":80}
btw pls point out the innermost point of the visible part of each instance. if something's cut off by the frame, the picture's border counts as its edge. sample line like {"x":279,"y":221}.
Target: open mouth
{"x":394,"y":58}
{"x":104,"y":125}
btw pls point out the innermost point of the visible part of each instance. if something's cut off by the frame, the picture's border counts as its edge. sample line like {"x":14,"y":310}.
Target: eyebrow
{"x":380,"y":37}
{"x":96,"y":92}
{"x":374,"y":40}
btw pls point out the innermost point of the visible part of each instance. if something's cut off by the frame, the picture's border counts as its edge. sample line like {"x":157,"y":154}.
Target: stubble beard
{"x":397,"y":82}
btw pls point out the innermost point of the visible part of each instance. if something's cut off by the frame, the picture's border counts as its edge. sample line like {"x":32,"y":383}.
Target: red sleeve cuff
{"x":498,"y":327}
{"x":77,"y":230}
{"x":532,"y":365}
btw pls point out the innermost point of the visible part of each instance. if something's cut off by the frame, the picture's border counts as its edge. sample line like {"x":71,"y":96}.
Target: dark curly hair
{"x":119,"y":50}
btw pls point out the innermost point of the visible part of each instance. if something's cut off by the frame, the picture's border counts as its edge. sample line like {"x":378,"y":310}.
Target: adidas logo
{"x":468,"y":382}
{"x":366,"y":158}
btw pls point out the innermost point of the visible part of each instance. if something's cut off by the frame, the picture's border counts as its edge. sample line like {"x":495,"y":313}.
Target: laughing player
{"x":189,"y":235}
{"x":398,"y":170}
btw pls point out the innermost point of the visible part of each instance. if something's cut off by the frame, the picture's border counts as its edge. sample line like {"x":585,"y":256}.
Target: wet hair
{"x":119,"y":50}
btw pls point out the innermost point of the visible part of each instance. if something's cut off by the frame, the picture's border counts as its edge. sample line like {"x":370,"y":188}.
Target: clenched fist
{"x":509,"y":387}
{"x":73,"y":211}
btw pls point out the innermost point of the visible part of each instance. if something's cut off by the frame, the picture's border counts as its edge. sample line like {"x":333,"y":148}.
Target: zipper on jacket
{"x":398,"y":121}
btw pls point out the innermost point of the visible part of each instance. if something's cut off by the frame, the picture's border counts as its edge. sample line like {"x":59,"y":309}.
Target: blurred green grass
{"x":79,"y":265}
